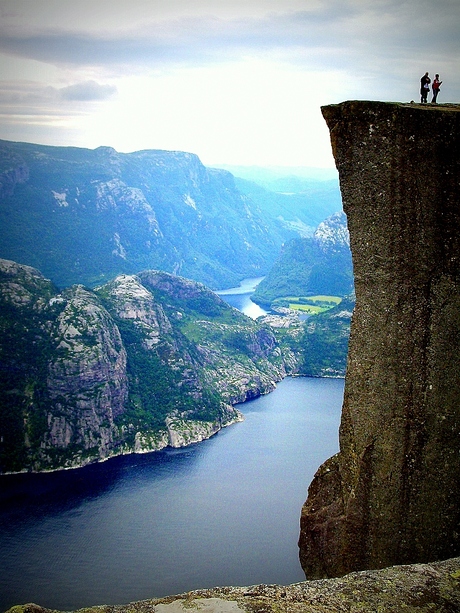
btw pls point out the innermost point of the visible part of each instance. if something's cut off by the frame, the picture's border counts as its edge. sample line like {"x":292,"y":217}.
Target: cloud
{"x":33,"y":103}
{"x":87,"y":91}
{"x":350,"y":34}
{"x":356,"y":31}
{"x":191,"y":39}
{"x":204,"y":65}
{"x":27,"y":98}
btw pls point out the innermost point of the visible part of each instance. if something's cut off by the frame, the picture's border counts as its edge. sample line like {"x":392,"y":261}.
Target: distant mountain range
{"x":320,"y":264}
{"x":299,"y":198}
{"x":108,"y":344}
{"x":85,"y":216}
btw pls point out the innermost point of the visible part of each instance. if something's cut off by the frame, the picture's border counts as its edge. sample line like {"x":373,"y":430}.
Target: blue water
{"x":222,"y":512}
{"x":240,"y":297}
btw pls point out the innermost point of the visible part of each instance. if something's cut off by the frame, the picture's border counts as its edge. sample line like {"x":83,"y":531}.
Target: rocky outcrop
{"x":14,"y":171}
{"x":412,"y":589}
{"x":143,"y":362}
{"x":87,"y":381}
{"x":391,"y":494}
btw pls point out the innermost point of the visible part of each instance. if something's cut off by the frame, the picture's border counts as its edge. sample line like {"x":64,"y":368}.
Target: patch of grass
{"x":334,"y":299}
{"x":313,"y":305}
{"x":307,"y":308}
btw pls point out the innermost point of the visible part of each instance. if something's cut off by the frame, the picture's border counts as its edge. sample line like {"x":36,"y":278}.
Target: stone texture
{"x":87,"y":380}
{"x":411,"y":589}
{"x":391,"y":494}
{"x":140,"y":363}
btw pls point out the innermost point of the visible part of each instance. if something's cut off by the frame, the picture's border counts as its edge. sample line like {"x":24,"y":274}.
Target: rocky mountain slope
{"x":390,"y":496}
{"x":320,"y":264}
{"x":299,"y":205}
{"x":137,"y":364}
{"x":84,"y":216}
{"x":323,"y":344}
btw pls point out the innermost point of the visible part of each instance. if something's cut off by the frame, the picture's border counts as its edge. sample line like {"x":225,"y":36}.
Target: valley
{"x":111,"y":340}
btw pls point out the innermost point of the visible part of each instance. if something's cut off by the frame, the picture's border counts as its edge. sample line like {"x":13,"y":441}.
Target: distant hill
{"x":84,"y":216}
{"x":299,"y":198}
{"x":271,"y":177}
{"x":320,"y":264}
{"x":323,"y":344}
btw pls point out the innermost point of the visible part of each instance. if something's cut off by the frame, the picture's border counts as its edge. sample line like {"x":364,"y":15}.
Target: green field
{"x":311,"y":305}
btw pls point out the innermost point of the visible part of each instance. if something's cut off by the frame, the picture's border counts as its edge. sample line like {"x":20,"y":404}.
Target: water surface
{"x":222,"y":512}
{"x":240,"y":297}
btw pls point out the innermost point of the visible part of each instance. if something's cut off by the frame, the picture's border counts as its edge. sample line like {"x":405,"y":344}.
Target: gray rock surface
{"x":143,"y":362}
{"x":391,"y":494}
{"x":432,"y":588}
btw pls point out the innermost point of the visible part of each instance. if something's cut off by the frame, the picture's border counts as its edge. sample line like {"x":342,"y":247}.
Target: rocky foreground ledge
{"x":418,"y":588}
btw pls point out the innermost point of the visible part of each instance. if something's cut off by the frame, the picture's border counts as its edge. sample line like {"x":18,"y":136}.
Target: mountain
{"x":307,"y":266}
{"x":323,"y":344}
{"x":271,"y":177}
{"x":139,"y":363}
{"x":84,"y":216}
{"x":299,"y":198}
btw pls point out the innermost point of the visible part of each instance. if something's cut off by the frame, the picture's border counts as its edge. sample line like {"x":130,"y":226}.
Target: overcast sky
{"x":234,"y":81}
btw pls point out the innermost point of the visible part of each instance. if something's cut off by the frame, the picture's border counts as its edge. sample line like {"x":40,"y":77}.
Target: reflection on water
{"x":247,"y":286}
{"x":222,"y":512}
{"x":240,"y":297}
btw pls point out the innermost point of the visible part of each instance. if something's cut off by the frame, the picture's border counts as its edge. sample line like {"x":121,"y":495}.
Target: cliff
{"x":390,"y":495}
{"x":140,"y":363}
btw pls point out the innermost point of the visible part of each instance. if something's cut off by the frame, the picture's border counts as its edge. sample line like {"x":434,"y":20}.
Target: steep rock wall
{"x":391,"y":494}
{"x":142,"y":362}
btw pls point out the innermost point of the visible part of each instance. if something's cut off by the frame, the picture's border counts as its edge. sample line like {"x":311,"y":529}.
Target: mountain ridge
{"x":86,"y":215}
{"x":320,"y":264}
{"x":139,"y":363}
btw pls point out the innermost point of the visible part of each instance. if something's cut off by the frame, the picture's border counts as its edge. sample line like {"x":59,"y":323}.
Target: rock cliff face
{"x":143,"y":362}
{"x":391,"y":494}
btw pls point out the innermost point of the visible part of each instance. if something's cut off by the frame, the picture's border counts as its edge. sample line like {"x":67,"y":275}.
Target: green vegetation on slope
{"x":320,"y":265}
{"x":86,"y":374}
{"x":311,"y":305}
{"x":320,"y":344}
{"x":85,"y":216}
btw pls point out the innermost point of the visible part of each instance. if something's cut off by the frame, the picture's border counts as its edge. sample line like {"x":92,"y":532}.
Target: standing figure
{"x":424,"y":88}
{"x":436,"y":86}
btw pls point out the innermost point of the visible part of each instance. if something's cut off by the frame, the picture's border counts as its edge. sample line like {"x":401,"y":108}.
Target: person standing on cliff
{"x":435,"y":87}
{"x":424,"y":88}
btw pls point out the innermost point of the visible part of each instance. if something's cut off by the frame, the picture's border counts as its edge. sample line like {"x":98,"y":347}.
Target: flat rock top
{"x":376,"y":104}
{"x":418,"y":588}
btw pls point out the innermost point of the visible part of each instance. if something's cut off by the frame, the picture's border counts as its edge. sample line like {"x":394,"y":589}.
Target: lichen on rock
{"x":410,"y":589}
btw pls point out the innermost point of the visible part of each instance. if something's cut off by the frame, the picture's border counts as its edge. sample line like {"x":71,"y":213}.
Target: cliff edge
{"x":390,"y":496}
{"x":419,"y":588}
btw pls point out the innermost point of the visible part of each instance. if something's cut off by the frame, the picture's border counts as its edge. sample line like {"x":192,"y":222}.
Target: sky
{"x":237,"y":82}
